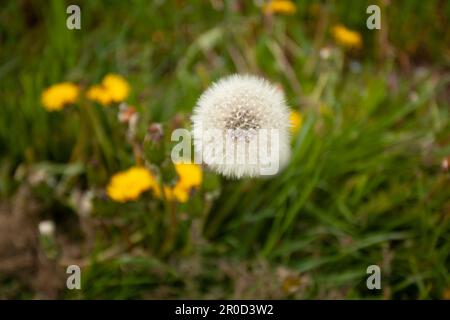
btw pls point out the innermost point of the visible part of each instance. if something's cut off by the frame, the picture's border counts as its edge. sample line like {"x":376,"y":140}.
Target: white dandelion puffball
{"x":46,"y":228}
{"x":241,"y":127}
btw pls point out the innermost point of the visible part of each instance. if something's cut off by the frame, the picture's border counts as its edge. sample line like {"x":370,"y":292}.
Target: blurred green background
{"x":368,"y":181}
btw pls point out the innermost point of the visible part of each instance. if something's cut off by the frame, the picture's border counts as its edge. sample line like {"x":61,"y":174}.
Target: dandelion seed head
{"x":46,"y":228}
{"x":238,"y":107}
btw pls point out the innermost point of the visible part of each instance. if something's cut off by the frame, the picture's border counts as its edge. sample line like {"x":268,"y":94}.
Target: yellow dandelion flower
{"x":280,"y":6}
{"x":99,"y":94}
{"x":346,"y":37}
{"x":176,"y":193}
{"x":130,"y":184}
{"x":116,"y":86}
{"x":296,"y":120}
{"x":190,"y":174}
{"x":189,"y":177}
{"x":57,"y":96}
{"x":113,"y":88}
